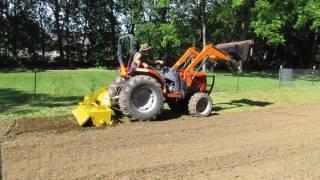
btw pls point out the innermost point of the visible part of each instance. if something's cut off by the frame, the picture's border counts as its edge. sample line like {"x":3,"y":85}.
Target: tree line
{"x":84,"y":33}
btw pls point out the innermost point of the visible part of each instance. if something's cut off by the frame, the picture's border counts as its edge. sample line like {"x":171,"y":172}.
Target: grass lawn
{"x":58,"y":92}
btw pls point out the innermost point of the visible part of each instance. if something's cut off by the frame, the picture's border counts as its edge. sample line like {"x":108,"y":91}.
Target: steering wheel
{"x":159,"y":67}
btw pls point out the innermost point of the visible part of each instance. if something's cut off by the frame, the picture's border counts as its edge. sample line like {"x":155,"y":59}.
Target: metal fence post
{"x":280,"y":69}
{"x":239,"y":69}
{"x":35,"y":84}
{"x":313,"y":74}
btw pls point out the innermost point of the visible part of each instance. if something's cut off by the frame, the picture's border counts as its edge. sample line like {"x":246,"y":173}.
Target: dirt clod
{"x":54,"y":124}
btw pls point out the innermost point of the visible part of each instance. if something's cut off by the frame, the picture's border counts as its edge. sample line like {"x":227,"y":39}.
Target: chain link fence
{"x":299,"y":77}
{"x":267,"y":80}
{"x":52,"y":92}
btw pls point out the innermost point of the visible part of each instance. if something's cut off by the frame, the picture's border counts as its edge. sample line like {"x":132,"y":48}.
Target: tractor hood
{"x":237,"y":50}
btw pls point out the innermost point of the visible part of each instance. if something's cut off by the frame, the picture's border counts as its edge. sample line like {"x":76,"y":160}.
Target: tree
{"x":43,"y":19}
{"x":283,"y":25}
{"x":85,"y":32}
{"x":3,"y":23}
{"x":132,"y":11}
{"x":309,"y":16}
{"x":55,"y":6}
{"x":158,"y":27}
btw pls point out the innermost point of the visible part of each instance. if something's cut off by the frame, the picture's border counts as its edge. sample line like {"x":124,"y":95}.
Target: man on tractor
{"x":141,"y":90}
{"x":142,"y":57}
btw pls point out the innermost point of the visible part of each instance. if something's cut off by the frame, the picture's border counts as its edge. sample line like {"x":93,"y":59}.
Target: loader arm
{"x":190,"y":53}
{"x":209,"y":52}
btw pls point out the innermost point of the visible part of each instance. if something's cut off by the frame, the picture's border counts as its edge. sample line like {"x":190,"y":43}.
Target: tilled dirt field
{"x":281,"y":143}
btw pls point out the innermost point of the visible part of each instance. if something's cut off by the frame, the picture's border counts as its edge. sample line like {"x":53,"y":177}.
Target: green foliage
{"x":163,"y":3}
{"x":309,"y":15}
{"x":170,"y":37}
{"x":149,"y":32}
{"x":85,"y":33}
{"x":237,"y":3}
{"x":160,"y":36}
{"x":267,"y":22}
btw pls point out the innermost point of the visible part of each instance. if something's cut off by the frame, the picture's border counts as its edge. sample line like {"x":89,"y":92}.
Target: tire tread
{"x":124,"y":100}
{"x":193,"y":103}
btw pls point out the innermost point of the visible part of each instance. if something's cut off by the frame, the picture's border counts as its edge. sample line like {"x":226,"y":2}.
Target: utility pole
{"x":204,"y":42}
{"x":202,"y":5}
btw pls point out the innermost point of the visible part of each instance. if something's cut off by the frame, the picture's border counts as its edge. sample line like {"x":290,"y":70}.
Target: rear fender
{"x":152,"y":73}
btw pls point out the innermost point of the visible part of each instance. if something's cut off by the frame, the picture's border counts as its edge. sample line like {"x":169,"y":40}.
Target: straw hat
{"x":144,"y":47}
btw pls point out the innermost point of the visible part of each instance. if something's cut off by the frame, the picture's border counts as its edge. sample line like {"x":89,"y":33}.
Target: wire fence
{"x":266,"y":80}
{"x":77,"y":83}
{"x":28,"y":92}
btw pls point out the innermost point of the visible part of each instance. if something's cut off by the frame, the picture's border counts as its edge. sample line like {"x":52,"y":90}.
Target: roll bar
{"x":123,"y":71}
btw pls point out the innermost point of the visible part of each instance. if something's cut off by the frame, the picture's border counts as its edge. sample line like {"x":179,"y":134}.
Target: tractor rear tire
{"x":141,"y":98}
{"x":200,"y":105}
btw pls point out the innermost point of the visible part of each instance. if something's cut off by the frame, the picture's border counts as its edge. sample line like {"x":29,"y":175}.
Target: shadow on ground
{"x":240,"y":103}
{"x":169,"y":114}
{"x":18,"y":70}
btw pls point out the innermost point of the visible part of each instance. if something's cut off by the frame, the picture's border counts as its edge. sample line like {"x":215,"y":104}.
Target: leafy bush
{"x":9,"y":62}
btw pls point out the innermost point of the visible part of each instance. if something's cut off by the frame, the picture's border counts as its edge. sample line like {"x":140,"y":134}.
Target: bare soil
{"x":280,"y":143}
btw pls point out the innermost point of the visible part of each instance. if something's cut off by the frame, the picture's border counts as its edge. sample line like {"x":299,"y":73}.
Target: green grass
{"x":261,"y":90}
{"x":58,"y":92}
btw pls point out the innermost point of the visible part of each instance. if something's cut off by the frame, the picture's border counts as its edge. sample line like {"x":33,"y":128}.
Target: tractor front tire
{"x":200,"y":105}
{"x":141,"y":98}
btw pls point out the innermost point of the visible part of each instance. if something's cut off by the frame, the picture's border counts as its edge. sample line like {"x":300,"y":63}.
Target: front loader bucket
{"x":239,"y":50}
{"x":96,"y":108}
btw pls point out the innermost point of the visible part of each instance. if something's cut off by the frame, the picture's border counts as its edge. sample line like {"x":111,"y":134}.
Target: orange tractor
{"x":140,"y":93}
